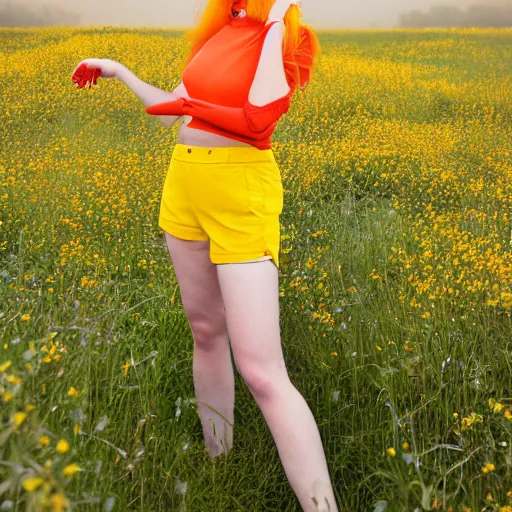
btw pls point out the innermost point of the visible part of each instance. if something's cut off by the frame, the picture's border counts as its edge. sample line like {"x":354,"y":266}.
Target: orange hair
{"x":301,"y":47}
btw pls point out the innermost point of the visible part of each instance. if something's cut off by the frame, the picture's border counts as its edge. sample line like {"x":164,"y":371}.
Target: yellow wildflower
{"x":489,"y":466}
{"x":497,"y":407}
{"x":31,"y":484}
{"x":62,"y":446}
{"x":405,"y":447}
{"x":391,"y":451}
{"x":5,"y":366}
{"x":73,"y":392}
{"x":18,"y":418}
{"x":44,"y":440}
{"x":58,"y":502}
{"x":467,"y":423}
{"x":25,"y":317}
{"x":70,"y":470}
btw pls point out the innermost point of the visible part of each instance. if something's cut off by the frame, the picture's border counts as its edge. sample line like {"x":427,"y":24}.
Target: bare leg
{"x":215,"y":393}
{"x":214,"y":380}
{"x":251,"y":298}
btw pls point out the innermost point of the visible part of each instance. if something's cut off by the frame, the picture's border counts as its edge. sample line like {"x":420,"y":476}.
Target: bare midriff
{"x":201,"y":138}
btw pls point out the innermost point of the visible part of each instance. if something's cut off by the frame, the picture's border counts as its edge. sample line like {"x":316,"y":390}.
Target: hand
{"x":89,"y":70}
{"x":280,"y":8}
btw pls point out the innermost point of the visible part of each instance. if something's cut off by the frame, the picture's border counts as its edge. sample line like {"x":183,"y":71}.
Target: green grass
{"x":363,"y":164}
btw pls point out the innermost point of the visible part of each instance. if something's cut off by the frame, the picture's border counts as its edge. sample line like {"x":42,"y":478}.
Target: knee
{"x":209,"y":335}
{"x":264,"y":382}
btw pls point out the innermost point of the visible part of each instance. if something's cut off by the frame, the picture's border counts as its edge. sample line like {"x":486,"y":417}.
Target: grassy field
{"x":396,"y":280}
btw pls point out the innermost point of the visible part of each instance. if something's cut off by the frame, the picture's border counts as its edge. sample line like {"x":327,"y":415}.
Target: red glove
{"x":85,"y":74}
{"x":250,"y":121}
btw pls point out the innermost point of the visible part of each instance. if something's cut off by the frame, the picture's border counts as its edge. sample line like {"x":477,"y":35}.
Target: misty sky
{"x":319,"y":13}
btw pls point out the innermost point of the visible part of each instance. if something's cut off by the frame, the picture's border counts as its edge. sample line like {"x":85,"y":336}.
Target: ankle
{"x":218,"y":451}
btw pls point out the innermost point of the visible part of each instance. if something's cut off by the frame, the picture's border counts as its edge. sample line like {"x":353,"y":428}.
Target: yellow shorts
{"x":232,"y":196}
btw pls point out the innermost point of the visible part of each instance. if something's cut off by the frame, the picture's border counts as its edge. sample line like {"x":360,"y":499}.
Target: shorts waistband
{"x":230,"y":154}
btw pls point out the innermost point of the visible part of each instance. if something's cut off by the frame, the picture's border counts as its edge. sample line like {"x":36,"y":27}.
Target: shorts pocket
{"x":274,"y":197}
{"x":255,"y":191}
{"x":169,"y":185}
{"x":265,"y":190}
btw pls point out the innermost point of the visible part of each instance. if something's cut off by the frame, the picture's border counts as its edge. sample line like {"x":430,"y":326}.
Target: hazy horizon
{"x":180,"y":13}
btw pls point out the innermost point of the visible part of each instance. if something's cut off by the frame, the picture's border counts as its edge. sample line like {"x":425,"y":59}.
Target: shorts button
{"x":189,"y":150}
{"x":210,"y":152}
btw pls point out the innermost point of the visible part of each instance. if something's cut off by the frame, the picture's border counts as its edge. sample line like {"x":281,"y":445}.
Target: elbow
{"x":168,"y":121}
{"x":261,"y":120}
{"x":261,"y":129}
{"x":262,"y":132}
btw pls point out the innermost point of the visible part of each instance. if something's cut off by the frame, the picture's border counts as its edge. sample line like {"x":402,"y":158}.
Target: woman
{"x":220,"y":210}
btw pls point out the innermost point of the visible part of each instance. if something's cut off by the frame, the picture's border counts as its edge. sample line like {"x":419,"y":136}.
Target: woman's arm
{"x":149,"y":94}
{"x":270,"y":81}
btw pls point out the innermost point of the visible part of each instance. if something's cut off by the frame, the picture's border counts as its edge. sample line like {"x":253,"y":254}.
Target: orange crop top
{"x":218,"y":80}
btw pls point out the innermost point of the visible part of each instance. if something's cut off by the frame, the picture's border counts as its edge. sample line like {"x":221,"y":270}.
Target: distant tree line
{"x":19,"y":15}
{"x":482,"y":15}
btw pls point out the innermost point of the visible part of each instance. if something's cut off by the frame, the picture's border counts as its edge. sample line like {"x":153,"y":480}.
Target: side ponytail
{"x":301,"y":49}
